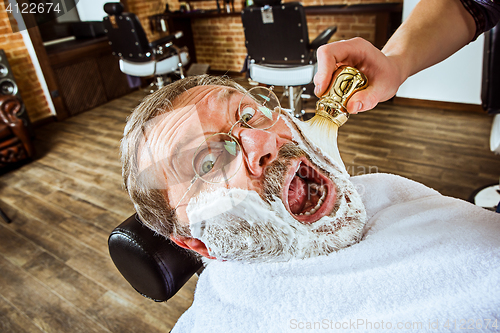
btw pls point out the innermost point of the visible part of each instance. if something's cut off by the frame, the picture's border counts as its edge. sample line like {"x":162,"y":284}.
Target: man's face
{"x":275,"y":167}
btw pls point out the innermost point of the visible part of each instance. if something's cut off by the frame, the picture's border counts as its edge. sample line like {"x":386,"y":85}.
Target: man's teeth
{"x":320,"y":189}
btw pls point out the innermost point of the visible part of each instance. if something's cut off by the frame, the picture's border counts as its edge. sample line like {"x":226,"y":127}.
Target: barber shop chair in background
{"x":491,"y":71}
{"x":138,"y":56}
{"x":153,"y":265}
{"x":15,"y":141}
{"x":491,"y":83}
{"x":488,"y":196}
{"x":279,"y":52}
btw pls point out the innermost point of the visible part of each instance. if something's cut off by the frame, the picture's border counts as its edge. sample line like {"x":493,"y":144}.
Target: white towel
{"x":426,"y":263}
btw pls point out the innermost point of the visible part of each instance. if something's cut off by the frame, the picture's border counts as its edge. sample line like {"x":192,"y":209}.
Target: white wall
{"x":70,"y":13}
{"x":456,"y":79}
{"x":92,"y":10}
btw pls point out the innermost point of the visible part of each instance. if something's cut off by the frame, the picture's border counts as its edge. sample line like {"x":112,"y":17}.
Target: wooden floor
{"x":55,"y":271}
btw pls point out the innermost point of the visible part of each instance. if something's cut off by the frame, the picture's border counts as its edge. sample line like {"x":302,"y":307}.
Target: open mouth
{"x":309,"y":195}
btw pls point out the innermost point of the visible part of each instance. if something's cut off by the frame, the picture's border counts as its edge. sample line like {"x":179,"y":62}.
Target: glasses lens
{"x":218,"y":158}
{"x":259,"y":108}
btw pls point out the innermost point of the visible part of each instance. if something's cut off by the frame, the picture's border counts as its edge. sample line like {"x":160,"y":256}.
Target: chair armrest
{"x":323,"y":37}
{"x":10,"y":106}
{"x":165,"y":40}
{"x":152,"y":264}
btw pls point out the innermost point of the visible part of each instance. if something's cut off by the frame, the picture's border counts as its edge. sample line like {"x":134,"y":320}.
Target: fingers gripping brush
{"x":331,"y":111}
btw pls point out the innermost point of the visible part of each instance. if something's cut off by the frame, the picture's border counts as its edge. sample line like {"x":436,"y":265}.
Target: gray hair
{"x":152,"y":204}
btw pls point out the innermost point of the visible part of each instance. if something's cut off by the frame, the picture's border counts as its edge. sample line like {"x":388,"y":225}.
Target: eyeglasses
{"x":218,"y":158}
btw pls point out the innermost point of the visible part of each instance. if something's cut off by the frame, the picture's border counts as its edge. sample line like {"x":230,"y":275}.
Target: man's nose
{"x":260,"y":148}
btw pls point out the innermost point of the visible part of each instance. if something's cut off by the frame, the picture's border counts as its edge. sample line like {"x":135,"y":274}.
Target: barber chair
{"x":488,"y":196}
{"x":491,"y":71}
{"x":491,"y":83}
{"x":15,"y":140}
{"x":153,"y":265}
{"x":279,"y":51}
{"x":138,"y":56}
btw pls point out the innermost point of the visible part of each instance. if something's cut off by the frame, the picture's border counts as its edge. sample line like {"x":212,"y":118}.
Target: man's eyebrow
{"x":225,"y":96}
{"x":227,"y":93}
{"x":178,"y":148}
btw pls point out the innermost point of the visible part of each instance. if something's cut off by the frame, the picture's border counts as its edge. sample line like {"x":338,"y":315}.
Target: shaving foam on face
{"x":224,"y":204}
{"x":237,"y":202}
{"x":257,"y":231}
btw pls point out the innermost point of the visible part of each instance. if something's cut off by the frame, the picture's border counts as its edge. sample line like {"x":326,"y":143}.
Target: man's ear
{"x":192,"y":244}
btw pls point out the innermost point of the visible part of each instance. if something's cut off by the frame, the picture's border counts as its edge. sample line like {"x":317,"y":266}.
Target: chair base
{"x":294,"y":95}
{"x":495,"y":135}
{"x":487,"y":197}
{"x":159,"y":82}
{"x":292,"y":78}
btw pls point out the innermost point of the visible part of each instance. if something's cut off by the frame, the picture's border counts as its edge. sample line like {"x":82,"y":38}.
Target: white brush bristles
{"x":323,"y":133}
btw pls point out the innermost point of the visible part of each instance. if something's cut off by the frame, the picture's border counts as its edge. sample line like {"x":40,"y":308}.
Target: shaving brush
{"x":331,"y":111}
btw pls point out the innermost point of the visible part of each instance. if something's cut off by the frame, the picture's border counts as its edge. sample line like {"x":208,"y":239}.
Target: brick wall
{"x":220,"y":42}
{"x":143,"y":9}
{"x":30,"y":89}
{"x":348,"y":26}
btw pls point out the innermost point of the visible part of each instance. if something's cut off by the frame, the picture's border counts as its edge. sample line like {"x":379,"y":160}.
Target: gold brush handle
{"x":345,"y":82}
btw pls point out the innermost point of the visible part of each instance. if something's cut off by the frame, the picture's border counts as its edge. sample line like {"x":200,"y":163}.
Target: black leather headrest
{"x":152,"y":264}
{"x":113,"y":8}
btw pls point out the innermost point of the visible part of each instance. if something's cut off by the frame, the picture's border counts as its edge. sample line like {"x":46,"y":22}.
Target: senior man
{"x":215,"y":147}
{"x":225,"y":173}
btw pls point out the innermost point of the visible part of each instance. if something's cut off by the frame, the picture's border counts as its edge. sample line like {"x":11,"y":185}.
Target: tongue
{"x":297,"y":194}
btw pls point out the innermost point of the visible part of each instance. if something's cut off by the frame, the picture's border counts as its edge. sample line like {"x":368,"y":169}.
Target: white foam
{"x":214,"y":205}
{"x":257,"y":231}
{"x":222,"y":204}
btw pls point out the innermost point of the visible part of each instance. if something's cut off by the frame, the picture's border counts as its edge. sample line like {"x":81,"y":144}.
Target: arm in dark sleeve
{"x":486,"y":14}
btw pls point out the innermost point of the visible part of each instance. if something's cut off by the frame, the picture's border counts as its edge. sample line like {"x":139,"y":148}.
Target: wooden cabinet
{"x":87,"y":74}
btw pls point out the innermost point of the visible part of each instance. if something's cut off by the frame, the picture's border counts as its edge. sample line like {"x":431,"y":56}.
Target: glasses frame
{"x":208,"y":138}
{"x":239,"y":121}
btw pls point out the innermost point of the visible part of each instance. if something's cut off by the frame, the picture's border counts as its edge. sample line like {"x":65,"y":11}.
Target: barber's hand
{"x":383,"y":73}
